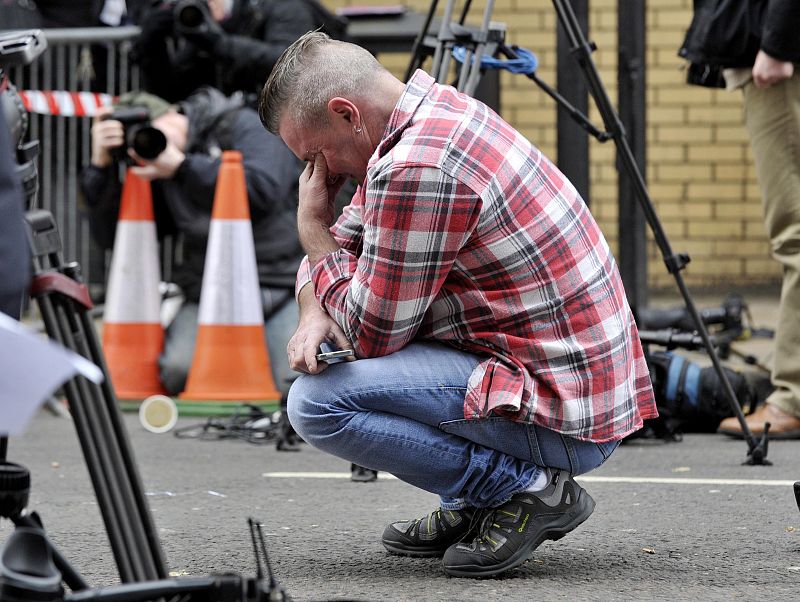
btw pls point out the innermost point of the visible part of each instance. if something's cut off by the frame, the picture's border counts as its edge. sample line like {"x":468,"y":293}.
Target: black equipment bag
{"x":723,"y":33}
{"x":691,"y":399}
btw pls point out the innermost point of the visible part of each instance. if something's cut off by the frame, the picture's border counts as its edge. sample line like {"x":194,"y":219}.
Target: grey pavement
{"x":674,"y":521}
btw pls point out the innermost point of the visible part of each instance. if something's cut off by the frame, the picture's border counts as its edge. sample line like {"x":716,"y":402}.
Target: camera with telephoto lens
{"x":191,"y":16}
{"x":147,"y":141}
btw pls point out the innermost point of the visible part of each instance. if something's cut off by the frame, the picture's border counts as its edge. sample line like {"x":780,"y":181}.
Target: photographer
{"x":231,"y":45}
{"x":183,"y":183}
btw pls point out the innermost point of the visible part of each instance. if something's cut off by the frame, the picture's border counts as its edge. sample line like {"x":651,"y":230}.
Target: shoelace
{"x":416,"y":524}
{"x":492,"y":517}
{"x":435,"y":517}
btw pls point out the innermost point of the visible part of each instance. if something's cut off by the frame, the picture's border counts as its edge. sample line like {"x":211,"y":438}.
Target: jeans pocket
{"x":496,"y":433}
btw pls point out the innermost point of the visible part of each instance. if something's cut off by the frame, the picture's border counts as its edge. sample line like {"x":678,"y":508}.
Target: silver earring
{"x":358,"y":130}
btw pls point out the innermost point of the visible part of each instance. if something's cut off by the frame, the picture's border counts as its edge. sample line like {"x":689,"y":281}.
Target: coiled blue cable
{"x":525,"y":63}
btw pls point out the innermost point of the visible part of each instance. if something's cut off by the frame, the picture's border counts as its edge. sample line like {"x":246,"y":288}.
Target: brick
{"x":744,"y":209}
{"x":763,"y":267}
{"x":718,"y":153}
{"x":719,"y":267}
{"x":668,"y":114}
{"x":716,"y":113}
{"x":715,"y":229}
{"x":754,"y":230}
{"x":661,"y":192}
{"x":668,"y":38}
{"x":681,"y":94}
{"x":741,"y":248}
{"x":714,"y":190}
{"x":700,"y":133}
{"x":672,"y":19}
{"x":735,"y":133}
{"x":665,"y":152}
{"x":682,"y":173}
{"x":739,"y":172}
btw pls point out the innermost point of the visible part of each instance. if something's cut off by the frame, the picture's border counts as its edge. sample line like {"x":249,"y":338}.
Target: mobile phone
{"x":339,"y":354}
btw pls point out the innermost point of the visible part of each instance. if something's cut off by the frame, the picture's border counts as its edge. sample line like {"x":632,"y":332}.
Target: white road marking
{"x":585,"y":479}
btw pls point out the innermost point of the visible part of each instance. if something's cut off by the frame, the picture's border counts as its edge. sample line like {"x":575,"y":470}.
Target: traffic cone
{"x":231,"y":361}
{"x":133,"y":336}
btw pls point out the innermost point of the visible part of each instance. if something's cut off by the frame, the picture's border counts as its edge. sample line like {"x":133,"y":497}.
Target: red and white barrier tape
{"x":66,"y":104}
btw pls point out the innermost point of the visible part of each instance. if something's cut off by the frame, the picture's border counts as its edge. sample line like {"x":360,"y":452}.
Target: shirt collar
{"x":417,"y":88}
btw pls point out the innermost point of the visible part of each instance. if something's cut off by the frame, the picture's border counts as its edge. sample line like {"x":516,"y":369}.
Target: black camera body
{"x":147,"y":141}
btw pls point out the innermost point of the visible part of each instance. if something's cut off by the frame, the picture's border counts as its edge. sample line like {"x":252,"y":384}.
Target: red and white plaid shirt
{"x":463,"y":232}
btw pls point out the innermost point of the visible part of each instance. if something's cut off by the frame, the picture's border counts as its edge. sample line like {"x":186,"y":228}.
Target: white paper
{"x":31,"y":368}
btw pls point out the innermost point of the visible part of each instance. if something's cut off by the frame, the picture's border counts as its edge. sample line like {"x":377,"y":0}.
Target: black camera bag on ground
{"x":691,"y":399}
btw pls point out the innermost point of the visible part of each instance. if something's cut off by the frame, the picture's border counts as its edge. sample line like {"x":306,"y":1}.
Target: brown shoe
{"x":782,"y":424}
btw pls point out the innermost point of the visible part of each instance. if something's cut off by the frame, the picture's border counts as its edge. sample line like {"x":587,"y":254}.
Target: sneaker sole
{"x":553,"y":531}
{"x":398,"y":550}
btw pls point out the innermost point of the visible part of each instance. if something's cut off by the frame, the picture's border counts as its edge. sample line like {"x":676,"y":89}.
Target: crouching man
{"x":497,"y":356}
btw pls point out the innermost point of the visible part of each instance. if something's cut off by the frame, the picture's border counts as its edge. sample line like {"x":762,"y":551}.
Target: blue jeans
{"x":404,"y":414}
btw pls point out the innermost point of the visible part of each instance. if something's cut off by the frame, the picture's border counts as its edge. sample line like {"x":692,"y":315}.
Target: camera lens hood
{"x":147,"y":141}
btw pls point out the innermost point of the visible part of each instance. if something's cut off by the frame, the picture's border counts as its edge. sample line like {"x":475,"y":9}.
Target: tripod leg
{"x":124,"y":450}
{"x":441,"y":56}
{"x":417,"y":54}
{"x":64,"y":304}
{"x":112,"y":521}
{"x":71,"y":577}
{"x":675,"y":263}
{"x":480,"y":50}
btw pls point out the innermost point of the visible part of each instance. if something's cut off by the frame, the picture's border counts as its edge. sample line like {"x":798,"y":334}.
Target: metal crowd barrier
{"x":76,"y":60}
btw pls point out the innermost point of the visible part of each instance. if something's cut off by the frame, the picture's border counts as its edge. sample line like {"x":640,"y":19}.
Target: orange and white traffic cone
{"x":133,"y":336}
{"x":231,"y":361}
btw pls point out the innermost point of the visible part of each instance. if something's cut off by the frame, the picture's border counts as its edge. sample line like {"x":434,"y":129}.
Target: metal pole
{"x":572,"y":142}
{"x":674,"y":262}
{"x":631,"y":84}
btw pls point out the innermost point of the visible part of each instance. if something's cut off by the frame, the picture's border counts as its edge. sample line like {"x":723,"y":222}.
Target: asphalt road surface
{"x":675,"y":521}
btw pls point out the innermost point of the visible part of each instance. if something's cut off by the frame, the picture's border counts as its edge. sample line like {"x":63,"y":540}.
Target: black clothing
{"x":69,"y":13}
{"x":15,"y":267}
{"x":216,"y":123}
{"x":729,"y":33}
{"x":779,"y":34}
{"x":239,"y":57}
{"x":82,"y":13}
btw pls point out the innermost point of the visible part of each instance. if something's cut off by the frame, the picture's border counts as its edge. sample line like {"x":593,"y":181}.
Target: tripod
{"x":489,"y":40}
{"x":31,"y":568}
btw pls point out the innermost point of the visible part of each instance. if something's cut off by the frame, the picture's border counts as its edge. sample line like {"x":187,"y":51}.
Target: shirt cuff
{"x":329,"y":270}
{"x":303,"y":277}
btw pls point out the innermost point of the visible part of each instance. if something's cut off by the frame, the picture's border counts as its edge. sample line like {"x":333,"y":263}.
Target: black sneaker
{"x":508,"y":534}
{"x":428,"y":536}
{"x":359,"y":474}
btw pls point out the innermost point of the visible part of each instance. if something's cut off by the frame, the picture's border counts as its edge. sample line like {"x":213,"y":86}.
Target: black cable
{"x":249,"y":423}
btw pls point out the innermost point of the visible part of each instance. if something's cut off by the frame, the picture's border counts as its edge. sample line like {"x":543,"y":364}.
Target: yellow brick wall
{"x":699,"y":167}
